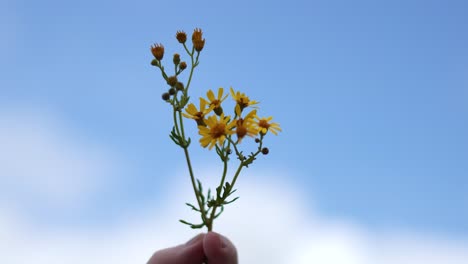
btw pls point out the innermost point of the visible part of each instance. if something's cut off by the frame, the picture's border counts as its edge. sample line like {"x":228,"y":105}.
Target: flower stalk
{"x":216,"y":128}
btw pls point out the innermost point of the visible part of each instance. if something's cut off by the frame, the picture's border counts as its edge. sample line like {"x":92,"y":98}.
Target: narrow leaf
{"x":193,"y":207}
{"x":231,"y":201}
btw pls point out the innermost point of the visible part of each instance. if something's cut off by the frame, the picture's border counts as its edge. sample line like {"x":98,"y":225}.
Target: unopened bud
{"x":166,"y":96}
{"x":158,"y":51}
{"x":181,"y":36}
{"x":198,"y":44}
{"x":265,"y":151}
{"x":176,"y":59}
{"x":172,"y":81}
{"x":179,"y":86}
{"x":198,"y":40}
{"x":171,"y":91}
{"x":183,"y":65}
{"x":197,"y":34}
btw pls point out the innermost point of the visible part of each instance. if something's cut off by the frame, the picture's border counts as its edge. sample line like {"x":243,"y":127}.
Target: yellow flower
{"x":215,"y":130}
{"x":242,"y":100}
{"x":216,"y":101}
{"x":245,"y":126}
{"x":264,"y":125}
{"x":198,"y":115}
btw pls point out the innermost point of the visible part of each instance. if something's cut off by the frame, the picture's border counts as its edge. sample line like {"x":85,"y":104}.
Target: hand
{"x":211,"y":248}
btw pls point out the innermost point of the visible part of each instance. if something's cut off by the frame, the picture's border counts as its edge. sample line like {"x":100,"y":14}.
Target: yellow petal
{"x":220,"y":93}
{"x":210,"y":95}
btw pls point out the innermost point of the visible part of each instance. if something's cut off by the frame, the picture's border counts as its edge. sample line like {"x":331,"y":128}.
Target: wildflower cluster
{"x":217,"y":129}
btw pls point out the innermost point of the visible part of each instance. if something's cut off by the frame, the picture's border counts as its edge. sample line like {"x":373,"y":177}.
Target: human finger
{"x":218,"y":249}
{"x":188,"y":253}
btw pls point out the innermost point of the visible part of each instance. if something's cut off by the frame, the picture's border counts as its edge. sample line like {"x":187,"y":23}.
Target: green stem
{"x":213,"y":213}
{"x":188,"y":52}
{"x":241,"y":164}
{"x":189,"y":165}
{"x":182,"y":126}
{"x":192,"y":177}
{"x":192,"y":68}
{"x":175,"y":122}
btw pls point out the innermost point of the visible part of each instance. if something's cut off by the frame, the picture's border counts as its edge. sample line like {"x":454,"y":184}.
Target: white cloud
{"x":265,"y":227}
{"x":271,"y":223}
{"x":42,"y":160}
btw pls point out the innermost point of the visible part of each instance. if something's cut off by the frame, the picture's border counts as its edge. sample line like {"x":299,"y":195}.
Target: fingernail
{"x":193,"y":240}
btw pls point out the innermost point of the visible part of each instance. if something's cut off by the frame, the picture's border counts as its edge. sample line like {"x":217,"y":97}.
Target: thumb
{"x":188,"y":253}
{"x":218,"y":249}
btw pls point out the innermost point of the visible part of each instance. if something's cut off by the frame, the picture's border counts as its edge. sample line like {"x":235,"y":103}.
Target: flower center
{"x":243,"y":102}
{"x":199,"y":116}
{"x":218,"y":130}
{"x":241,"y":130}
{"x":263,"y":123}
{"x":216,"y":103}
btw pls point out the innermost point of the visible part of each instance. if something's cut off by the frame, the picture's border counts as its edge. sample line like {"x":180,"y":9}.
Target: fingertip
{"x":195,"y":239}
{"x":218,"y":249}
{"x":190,"y":252}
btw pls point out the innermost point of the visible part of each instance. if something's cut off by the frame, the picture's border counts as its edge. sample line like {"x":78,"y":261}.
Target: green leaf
{"x":197,"y":226}
{"x":249,"y":160}
{"x":218,"y":214}
{"x":193,"y":207}
{"x":231,"y":201}
{"x":184,"y":100}
{"x":200,"y":189}
{"x":185,"y":222}
{"x":175,"y":137}
{"x":193,"y":226}
{"x":231,"y":192}
{"x":218,"y":151}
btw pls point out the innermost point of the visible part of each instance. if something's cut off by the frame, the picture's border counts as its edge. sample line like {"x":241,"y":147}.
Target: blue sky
{"x":371,"y":95}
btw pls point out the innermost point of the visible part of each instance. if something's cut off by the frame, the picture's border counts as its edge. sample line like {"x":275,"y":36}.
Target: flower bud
{"x":171,"y":91}
{"x":265,"y":151}
{"x":176,"y":59}
{"x":158,"y":51}
{"x":183,"y":65}
{"x":198,"y":40}
{"x":199,"y":44}
{"x":179,"y":86}
{"x":257,"y":140}
{"x":181,"y":36}
{"x":172,"y":81}
{"x":197,"y":34}
{"x":166,"y":96}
